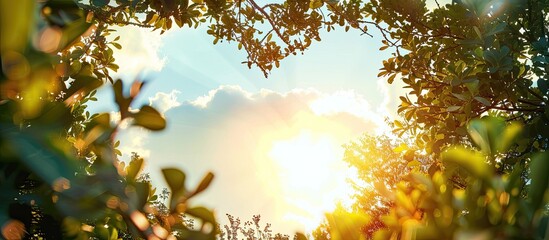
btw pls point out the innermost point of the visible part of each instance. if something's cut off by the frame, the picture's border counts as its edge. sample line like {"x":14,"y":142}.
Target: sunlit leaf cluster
{"x":59,"y":167}
{"x":474,"y":74}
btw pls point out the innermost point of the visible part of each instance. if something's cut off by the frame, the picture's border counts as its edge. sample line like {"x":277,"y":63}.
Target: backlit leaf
{"x":473,"y":162}
{"x":149,"y":118}
{"x":204,"y":183}
{"x":175,"y":179}
{"x":202,"y":213}
{"x":134,"y":168}
{"x":539,"y":167}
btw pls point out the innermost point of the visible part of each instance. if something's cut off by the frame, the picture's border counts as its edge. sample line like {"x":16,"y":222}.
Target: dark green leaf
{"x":202,"y":213}
{"x":453,"y":108}
{"x":142,"y":190}
{"x":149,"y":118}
{"x":539,"y":167}
{"x":53,"y":165}
{"x":543,"y":85}
{"x":72,"y":32}
{"x":100,"y":3}
{"x":134,"y":168}
{"x":83,"y":84}
{"x":175,"y":179}
{"x":484,"y":101}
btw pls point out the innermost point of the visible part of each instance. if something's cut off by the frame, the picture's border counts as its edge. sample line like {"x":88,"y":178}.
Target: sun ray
{"x":312,"y":175}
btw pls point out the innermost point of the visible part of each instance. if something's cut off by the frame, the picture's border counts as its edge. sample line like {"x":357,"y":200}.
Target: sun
{"x":312,"y":175}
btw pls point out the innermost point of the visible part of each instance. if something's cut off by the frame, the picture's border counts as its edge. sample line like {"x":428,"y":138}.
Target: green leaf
{"x":134,"y":168}
{"x":515,"y":178}
{"x":509,"y":135}
{"x":543,"y":85}
{"x":116,"y":45}
{"x":101,"y":231}
{"x":477,"y":31}
{"x":83,"y":84}
{"x":492,"y":134}
{"x":20,"y":21}
{"x":484,"y":101}
{"x":539,"y":167}
{"x":122,"y":102}
{"x":500,"y":27}
{"x":204,"y":183}
{"x":149,"y":118}
{"x":453,"y":108}
{"x":175,"y":179}
{"x":114,"y":233}
{"x":461,"y":97}
{"x":485,"y":133}
{"x":44,"y":160}
{"x":471,"y":161}
{"x":72,"y":32}
{"x":71,"y":226}
{"x":100,"y":3}
{"x":142,"y":190}
{"x":201,"y":213}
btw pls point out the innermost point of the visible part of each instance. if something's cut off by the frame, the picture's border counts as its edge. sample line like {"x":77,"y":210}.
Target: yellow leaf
{"x":472,"y":161}
{"x":398,"y":124}
{"x":153,"y":19}
{"x":405,"y":201}
{"x":414,"y":163}
{"x":314,"y":4}
{"x":401,"y":148}
{"x":346,"y":225}
{"x":439,"y":136}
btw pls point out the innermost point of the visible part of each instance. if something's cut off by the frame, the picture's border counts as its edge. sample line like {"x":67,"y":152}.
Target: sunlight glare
{"x":313,"y":176}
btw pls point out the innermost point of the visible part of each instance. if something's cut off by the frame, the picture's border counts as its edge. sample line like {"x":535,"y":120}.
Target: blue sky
{"x":275,"y":145}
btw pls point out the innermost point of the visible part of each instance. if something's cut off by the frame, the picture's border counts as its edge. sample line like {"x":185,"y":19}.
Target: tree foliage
{"x":475,"y":74}
{"x":268,"y":32}
{"x":492,"y":205}
{"x":463,"y":60}
{"x":60,"y":172}
{"x":59,"y":165}
{"x":381,"y":164}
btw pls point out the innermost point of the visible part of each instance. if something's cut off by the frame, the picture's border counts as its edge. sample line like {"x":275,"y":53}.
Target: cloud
{"x":391,"y":94}
{"x":165,"y":101}
{"x":232,"y":132}
{"x":139,"y":52}
{"x":135,"y":139}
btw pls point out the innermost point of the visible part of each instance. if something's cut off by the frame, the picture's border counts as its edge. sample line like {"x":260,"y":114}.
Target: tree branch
{"x":273,"y":25}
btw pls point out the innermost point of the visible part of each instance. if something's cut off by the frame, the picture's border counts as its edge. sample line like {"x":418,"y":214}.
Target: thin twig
{"x":273,"y":25}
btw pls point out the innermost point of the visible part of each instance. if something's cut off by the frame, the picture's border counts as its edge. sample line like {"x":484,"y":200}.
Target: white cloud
{"x":391,"y":94}
{"x":135,"y":139}
{"x":165,"y":101}
{"x":231,"y":132}
{"x":139,"y":51}
{"x":203,"y":101}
